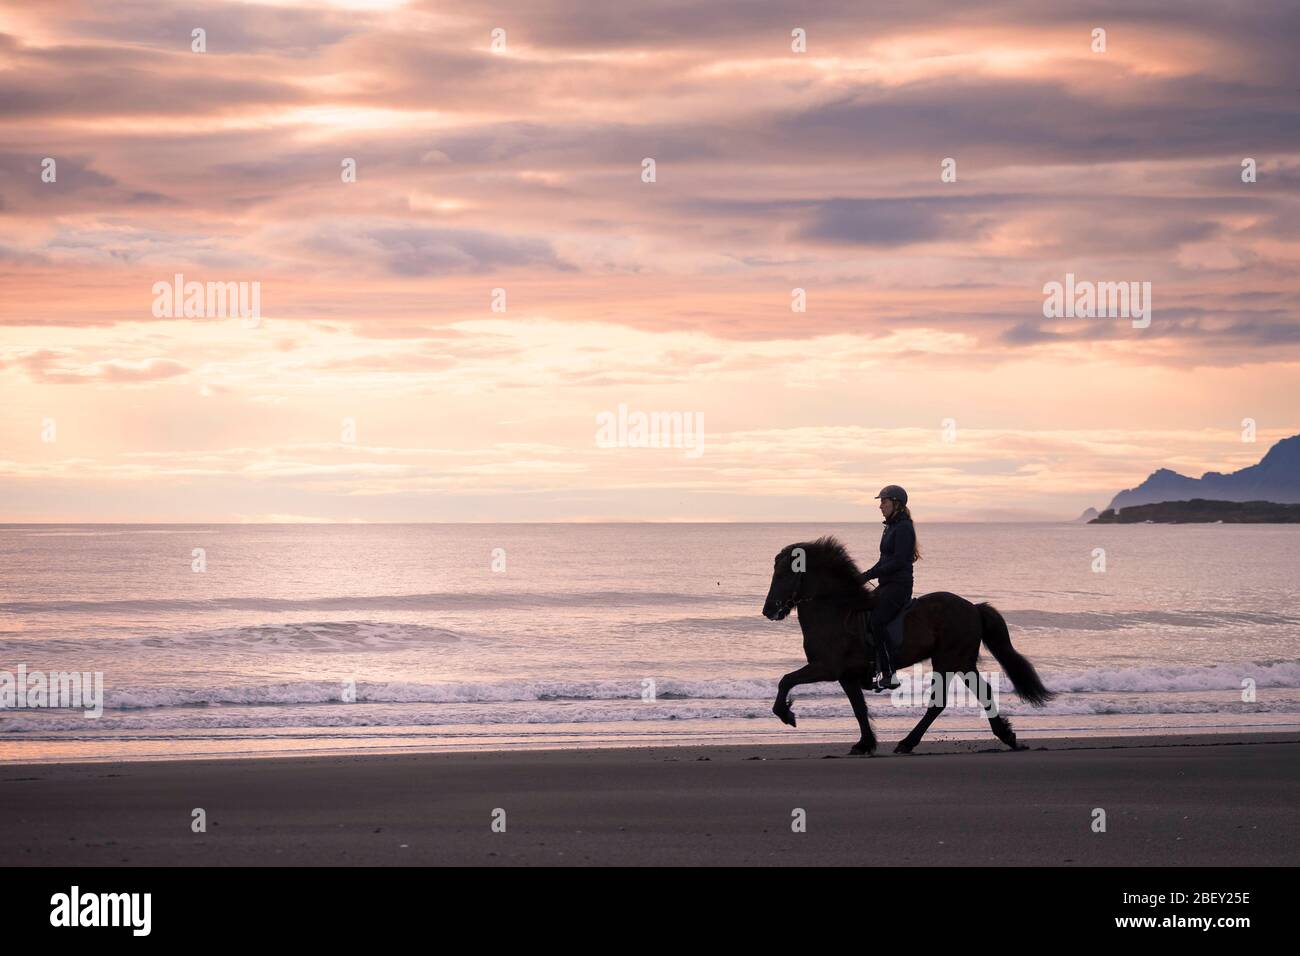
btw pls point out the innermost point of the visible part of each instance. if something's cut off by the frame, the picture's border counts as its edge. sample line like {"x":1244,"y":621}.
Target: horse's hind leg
{"x":867,"y":742}
{"x":1000,"y":725}
{"x":940,"y":691}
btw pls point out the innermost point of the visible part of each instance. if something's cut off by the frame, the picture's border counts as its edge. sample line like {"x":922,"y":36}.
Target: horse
{"x":820,"y":582}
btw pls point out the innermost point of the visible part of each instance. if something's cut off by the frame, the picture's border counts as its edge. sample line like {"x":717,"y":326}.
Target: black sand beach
{"x":1196,"y":800}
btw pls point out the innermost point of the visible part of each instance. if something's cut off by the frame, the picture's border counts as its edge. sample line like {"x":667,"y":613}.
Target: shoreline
{"x":529,"y":740}
{"x":1204,"y":799}
{"x":478,"y":741}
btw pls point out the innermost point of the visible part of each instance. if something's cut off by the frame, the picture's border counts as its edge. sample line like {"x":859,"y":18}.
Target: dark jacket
{"x":897,"y":543}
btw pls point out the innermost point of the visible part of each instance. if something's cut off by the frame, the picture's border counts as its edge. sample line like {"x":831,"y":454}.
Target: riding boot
{"x":886,"y":680}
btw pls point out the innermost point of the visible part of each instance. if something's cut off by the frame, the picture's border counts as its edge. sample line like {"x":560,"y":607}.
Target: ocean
{"x":349,"y":638}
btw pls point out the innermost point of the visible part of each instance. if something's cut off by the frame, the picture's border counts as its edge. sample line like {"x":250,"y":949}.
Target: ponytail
{"x":903,"y":512}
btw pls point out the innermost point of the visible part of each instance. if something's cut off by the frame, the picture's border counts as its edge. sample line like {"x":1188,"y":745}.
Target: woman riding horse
{"x":898,"y":551}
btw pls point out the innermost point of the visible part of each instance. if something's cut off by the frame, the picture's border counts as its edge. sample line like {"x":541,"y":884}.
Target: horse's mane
{"x":833,"y":560}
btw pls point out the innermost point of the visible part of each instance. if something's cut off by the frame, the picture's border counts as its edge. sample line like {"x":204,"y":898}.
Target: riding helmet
{"x":893,"y":491}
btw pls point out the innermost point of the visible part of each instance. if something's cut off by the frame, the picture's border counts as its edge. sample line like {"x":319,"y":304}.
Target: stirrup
{"x":887,"y":678}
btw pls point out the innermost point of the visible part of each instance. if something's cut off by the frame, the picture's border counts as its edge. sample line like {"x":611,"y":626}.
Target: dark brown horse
{"x":820,"y":582}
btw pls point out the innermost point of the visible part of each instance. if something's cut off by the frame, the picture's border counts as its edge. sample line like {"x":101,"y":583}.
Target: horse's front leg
{"x":867,"y":742}
{"x":808,"y":674}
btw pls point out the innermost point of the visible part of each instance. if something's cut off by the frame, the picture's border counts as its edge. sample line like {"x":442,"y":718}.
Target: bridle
{"x":794,"y":600}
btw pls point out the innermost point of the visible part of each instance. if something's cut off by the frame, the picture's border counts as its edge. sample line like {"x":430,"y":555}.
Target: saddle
{"x":857,"y":624}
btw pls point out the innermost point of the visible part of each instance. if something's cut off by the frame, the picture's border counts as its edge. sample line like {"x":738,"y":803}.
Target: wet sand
{"x":1193,"y":800}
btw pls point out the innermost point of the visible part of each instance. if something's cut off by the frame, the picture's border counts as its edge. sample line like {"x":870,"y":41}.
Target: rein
{"x":793,"y":601}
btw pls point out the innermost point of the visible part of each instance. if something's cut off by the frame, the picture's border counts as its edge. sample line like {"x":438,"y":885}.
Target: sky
{"x":438,"y":338}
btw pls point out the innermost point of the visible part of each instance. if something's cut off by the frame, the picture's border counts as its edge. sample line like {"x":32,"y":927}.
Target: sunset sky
{"x":521,"y":169}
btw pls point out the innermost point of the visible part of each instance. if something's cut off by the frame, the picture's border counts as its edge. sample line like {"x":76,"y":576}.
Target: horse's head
{"x":807,"y":570}
{"x":787,"y":572}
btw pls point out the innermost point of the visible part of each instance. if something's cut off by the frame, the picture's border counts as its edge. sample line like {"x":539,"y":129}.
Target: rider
{"x":894,"y":569}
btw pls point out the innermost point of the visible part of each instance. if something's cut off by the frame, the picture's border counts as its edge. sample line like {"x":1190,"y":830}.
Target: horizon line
{"x":242,"y":524}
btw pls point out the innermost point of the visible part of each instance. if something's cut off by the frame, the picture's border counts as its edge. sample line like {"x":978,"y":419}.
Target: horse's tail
{"x":996,"y":638}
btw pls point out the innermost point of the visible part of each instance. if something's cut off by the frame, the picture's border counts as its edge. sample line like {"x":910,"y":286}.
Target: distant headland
{"x":1202,"y":510}
{"x":1265,"y":492}
{"x":1275,"y":478}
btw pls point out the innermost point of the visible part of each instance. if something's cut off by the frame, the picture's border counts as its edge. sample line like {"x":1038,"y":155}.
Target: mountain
{"x":1088,"y":515}
{"x":1276,"y":478}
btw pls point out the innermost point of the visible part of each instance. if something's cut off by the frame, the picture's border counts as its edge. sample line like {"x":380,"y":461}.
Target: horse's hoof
{"x":1017,"y":745}
{"x":903,"y":747}
{"x":786,"y":715}
{"x":862,"y":750}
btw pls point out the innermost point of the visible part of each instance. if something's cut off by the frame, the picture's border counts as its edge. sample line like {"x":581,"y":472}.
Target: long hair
{"x":902,"y":512}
